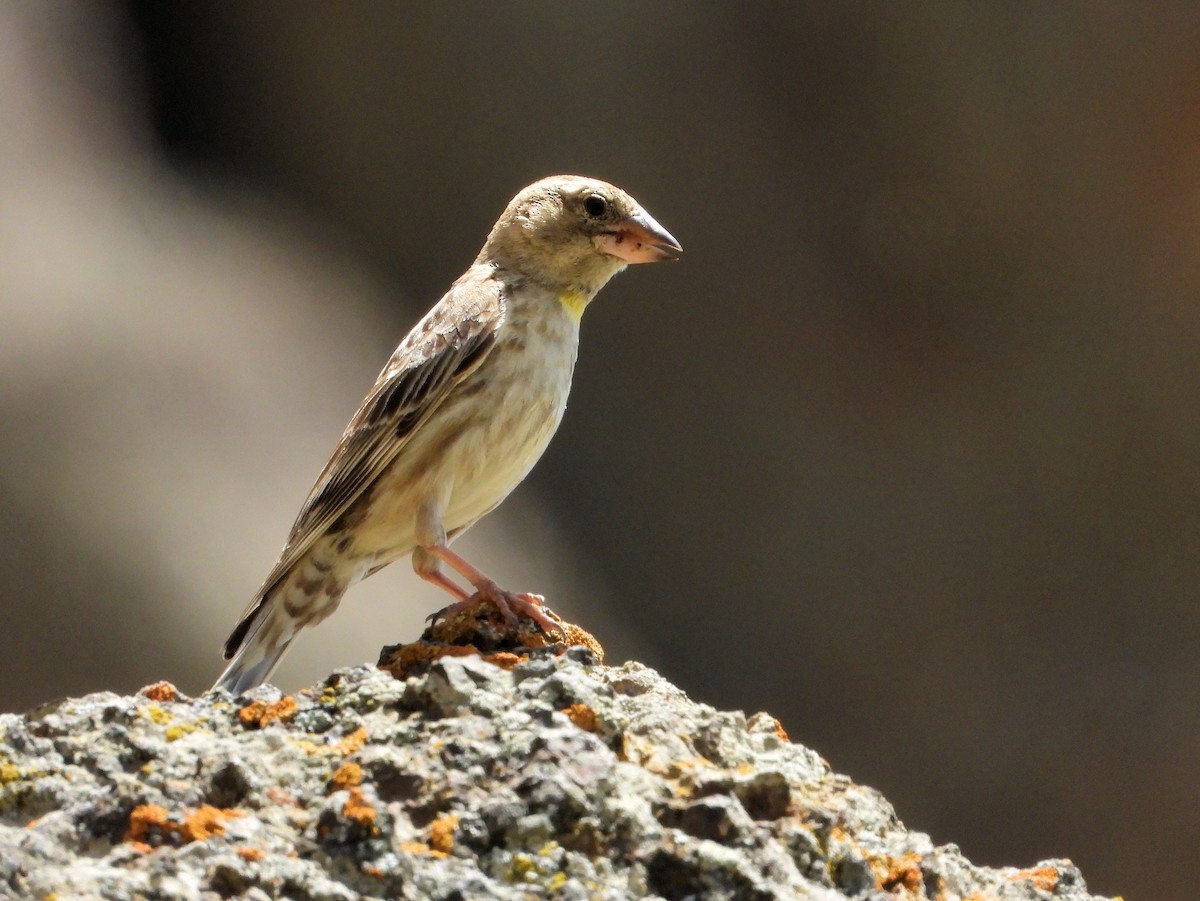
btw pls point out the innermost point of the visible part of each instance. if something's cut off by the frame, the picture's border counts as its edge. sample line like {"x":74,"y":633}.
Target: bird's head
{"x":575,"y":233}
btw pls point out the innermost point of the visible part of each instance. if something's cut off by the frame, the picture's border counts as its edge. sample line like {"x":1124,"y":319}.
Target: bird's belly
{"x":492,"y":458}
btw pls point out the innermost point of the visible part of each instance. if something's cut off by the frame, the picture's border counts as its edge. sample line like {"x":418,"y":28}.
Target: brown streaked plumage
{"x":460,"y":414}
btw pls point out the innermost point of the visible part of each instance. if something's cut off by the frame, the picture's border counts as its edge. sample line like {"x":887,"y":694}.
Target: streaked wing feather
{"x":444,"y":348}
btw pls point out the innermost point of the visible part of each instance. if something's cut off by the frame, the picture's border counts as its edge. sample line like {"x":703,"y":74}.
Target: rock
{"x":548,"y":776}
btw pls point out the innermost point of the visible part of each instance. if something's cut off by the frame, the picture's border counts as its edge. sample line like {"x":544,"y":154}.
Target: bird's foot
{"x":507,"y":603}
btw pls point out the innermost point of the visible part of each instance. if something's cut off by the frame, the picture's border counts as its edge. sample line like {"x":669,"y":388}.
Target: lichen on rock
{"x":557,"y":777}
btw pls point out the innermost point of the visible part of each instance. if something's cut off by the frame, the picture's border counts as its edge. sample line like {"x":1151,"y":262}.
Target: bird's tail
{"x":303,"y":595}
{"x":250,"y":668}
{"x":256,"y":647}
{"x":257,"y":644}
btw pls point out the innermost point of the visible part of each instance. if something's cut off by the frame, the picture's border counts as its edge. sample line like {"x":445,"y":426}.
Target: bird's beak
{"x":639,"y":239}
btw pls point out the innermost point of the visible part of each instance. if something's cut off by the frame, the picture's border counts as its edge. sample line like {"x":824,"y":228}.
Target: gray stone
{"x":559,"y":779}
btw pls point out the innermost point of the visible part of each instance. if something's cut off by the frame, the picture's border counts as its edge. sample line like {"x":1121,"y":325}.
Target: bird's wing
{"x":444,"y":348}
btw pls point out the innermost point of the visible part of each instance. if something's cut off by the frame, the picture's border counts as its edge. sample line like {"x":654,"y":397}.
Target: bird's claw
{"x":507,"y":603}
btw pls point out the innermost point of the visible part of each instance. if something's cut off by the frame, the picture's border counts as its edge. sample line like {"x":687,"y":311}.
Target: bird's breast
{"x":483,"y":439}
{"x":506,"y":412}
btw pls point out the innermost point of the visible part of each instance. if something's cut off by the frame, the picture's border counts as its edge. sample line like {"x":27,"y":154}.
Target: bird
{"x":457,"y":418}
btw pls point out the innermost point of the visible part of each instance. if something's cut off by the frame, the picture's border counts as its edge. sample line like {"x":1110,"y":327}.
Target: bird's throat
{"x":574,"y":302}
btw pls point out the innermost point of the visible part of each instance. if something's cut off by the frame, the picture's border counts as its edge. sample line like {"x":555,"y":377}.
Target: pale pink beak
{"x":639,"y":239}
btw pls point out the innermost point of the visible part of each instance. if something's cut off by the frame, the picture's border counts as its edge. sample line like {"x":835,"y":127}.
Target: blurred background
{"x":905,"y":450}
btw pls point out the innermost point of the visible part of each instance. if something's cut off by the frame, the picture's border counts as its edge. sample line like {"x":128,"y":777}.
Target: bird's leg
{"x":427,"y":566}
{"x":509,"y":603}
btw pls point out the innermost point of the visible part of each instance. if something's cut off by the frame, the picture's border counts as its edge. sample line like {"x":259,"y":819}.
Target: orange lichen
{"x":690,"y":765}
{"x":143,"y":819}
{"x":420,"y":849}
{"x":441,"y":833}
{"x":576,"y":636}
{"x":482,"y":631}
{"x":1044,"y":878}
{"x":896,"y":872}
{"x":357,"y":810}
{"x":411,"y":659}
{"x":147,"y":820}
{"x":348,"y":775}
{"x":259,"y":713}
{"x":504,"y":659}
{"x":245,"y":852}
{"x":582,"y":716}
{"x":205,"y":822}
{"x":352,"y":742}
{"x":282,"y":797}
{"x":161,"y":692}
{"x":650,"y":757}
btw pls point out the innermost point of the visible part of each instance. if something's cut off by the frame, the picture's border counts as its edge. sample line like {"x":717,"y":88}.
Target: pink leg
{"x":441,"y":580}
{"x":509,"y":603}
{"x":428,"y":567}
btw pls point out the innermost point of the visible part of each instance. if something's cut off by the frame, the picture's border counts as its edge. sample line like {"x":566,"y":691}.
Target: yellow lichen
{"x":156,"y":714}
{"x":176,"y":732}
{"x":522,"y":868}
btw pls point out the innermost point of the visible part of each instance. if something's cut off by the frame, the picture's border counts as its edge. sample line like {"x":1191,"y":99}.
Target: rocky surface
{"x":550,"y":776}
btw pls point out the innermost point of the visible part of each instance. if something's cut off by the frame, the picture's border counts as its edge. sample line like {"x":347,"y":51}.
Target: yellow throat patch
{"x":574,"y":302}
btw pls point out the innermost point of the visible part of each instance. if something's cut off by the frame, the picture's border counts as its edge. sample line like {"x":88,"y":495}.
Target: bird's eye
{"x":595,"y":206}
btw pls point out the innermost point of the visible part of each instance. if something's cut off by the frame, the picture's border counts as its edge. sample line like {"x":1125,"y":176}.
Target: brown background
{"x":906,"y":450}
